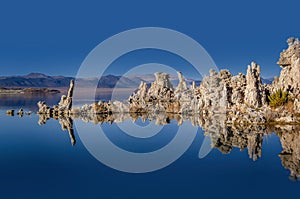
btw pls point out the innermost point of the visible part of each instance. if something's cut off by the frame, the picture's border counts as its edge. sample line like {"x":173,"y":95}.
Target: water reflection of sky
{"x":29,"y":101}
{"x":39,"y":162}
{"x":140,"y":145}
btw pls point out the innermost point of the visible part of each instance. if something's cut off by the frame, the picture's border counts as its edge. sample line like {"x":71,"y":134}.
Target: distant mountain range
{"x":34,"y":80}
{"x":40,"y":80}
{"x":267,"y":80}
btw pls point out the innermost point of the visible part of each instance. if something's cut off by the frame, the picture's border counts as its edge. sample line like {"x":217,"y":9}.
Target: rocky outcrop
{"x":253,"y":91}
{"x":66,"y":101}
{"x":161,"y":96}
{"x":161,"y":90}
{"x":236,"y":96}
{"x":10,"y":112}
{"x":224,"y":90}
{"x":289,"y":79}
{"x":241,"y":99}
{"x":236,"y":92}
{"x":212,"y":92}
{"x":182,"y":87}
{"x":63,"y":107}
{"x":137,"y":101}
{"x":289,"y":61}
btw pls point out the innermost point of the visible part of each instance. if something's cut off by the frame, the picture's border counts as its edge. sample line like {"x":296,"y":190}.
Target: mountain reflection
{"x":223,"y":137}
{"x":28,"y":100}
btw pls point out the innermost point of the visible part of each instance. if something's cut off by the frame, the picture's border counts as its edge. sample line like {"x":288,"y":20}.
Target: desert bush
{"x":278,"y":98}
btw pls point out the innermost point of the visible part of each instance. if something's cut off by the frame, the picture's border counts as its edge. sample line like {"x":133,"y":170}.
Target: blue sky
{"x":54,"y":37}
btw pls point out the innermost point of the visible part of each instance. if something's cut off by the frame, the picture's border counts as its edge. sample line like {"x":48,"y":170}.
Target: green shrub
{"x":278,"y":98}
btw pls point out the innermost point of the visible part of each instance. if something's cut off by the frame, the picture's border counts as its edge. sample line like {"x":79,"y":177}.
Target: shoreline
{"x":28,"y":90}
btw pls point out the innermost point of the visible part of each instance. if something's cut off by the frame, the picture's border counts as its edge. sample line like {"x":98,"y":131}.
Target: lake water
{"x":127,"y":160}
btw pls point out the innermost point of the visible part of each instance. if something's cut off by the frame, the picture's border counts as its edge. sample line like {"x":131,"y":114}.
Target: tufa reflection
{"x":223,"y":137}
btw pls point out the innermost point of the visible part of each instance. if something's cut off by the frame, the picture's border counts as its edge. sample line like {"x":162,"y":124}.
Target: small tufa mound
{"x":20,"y":112}
{"x":10,"y":112}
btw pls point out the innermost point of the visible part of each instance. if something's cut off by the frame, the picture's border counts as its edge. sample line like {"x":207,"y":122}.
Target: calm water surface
{"x":40,"y":162}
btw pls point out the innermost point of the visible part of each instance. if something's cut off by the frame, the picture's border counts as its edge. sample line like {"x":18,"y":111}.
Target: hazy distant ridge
{"x":109,"y":81}
{"x":42,"y":80}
